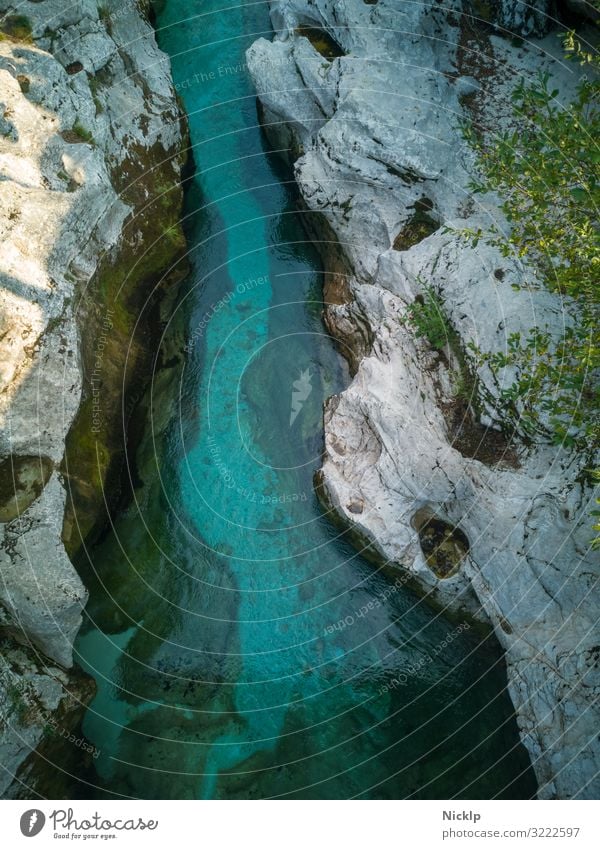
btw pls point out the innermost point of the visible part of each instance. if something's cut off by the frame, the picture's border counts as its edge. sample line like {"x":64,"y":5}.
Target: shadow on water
{"x":240,"y":648}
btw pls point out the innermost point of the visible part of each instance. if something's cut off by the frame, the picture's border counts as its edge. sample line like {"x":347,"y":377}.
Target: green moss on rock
{"x":22,"y":480}
{"x":16,"y":28}
{"x":117,"y":315}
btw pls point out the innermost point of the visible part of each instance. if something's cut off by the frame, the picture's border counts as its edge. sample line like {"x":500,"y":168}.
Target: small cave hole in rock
{"x":444,"y":545}
{"x":418,"y":227}
{"x":321,"y":41}
{"x":74,"y":68}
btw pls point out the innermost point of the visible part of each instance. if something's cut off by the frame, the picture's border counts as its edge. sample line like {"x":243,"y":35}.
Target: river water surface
{"x":241,"y":649}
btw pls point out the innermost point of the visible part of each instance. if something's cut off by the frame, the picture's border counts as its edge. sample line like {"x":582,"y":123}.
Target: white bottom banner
{"x":294,"y":825}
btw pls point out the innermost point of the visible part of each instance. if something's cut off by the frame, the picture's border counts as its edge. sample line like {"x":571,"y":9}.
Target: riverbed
{"x":241,"y":648}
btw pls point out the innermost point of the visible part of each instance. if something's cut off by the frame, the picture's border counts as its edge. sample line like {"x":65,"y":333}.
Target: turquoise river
{"x":241,"y":648}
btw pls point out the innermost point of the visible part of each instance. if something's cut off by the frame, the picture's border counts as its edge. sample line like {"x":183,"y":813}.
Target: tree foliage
{"x":547,"y":171}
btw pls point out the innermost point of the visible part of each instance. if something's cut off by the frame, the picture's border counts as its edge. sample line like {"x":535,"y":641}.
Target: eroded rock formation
{"x":375,"y":136}
{"x":91,"y":149}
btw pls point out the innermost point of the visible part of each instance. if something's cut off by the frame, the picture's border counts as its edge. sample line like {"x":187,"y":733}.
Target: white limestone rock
{"x":36,"y":699}
{"x":41,"y":593}
{"x":393,"y":140}
{"x":88,"y":95}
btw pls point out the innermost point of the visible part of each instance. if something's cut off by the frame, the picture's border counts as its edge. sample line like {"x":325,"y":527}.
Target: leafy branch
{"x":547,"y":171}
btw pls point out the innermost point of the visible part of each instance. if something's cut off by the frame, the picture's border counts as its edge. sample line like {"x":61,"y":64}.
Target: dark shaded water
{"x":240,"y":648}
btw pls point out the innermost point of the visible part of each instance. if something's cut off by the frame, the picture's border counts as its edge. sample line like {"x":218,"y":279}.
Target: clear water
{"x":241,"y":649}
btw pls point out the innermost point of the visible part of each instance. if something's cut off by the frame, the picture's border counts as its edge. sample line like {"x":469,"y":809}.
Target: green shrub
{"x":95,"y":86}
{"x":547,"y":170}
{"x":82,"y":133}
{"x":17,"y":701}
{"x":427,"y":318}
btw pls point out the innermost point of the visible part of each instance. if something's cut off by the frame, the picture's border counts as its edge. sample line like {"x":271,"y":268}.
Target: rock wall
{"x":367,"y":98}
{"x":91,"y":151}
{"x":533,"y":18}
